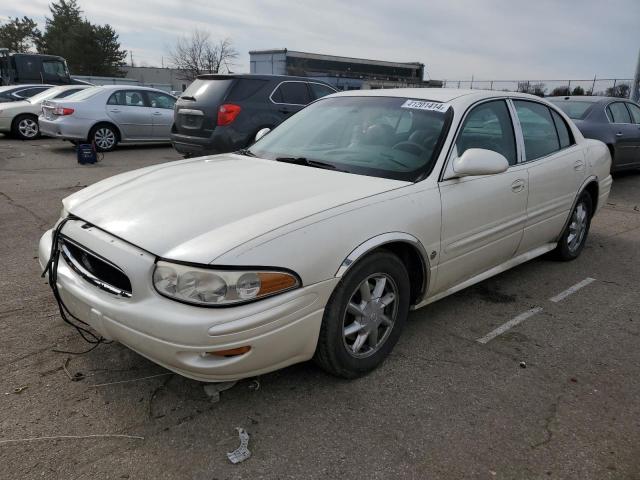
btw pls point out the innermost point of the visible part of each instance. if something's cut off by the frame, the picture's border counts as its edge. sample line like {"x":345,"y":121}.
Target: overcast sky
{"x":490,"y":39}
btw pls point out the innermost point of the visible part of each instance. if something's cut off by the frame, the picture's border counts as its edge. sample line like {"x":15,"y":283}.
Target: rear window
{"x":87,"y":93}
{"x":207,"y":91}
{"x":245,"y":88}
{"x":576,"y":110}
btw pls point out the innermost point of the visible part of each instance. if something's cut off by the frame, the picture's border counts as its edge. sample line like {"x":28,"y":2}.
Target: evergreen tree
{"x":89,"y":49}
{"x":19,"y":35}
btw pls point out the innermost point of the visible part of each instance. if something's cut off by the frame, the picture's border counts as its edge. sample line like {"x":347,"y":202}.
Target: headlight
{"x":213,"y":287}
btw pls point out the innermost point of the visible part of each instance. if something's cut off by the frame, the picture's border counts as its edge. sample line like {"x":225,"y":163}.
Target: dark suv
{"x":223,"y":113}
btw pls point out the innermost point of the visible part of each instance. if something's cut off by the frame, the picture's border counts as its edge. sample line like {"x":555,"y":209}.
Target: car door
{"x":161,"y":106}
{"x":625,"y":133}
{"x":634,"y":110}
{"x":482,"y":216}
{"x":131,"y":114}
{"x":289,"y":97}
{"x":556,"y":169}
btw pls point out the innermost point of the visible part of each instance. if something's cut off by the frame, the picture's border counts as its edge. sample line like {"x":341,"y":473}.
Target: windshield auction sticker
{"x":424,"y":105}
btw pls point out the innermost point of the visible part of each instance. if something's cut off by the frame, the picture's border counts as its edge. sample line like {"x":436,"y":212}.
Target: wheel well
{"x":592,"y":190}
{"x":22,"y":115}
{"x":413,"y":262}
{"x":115,"y":128}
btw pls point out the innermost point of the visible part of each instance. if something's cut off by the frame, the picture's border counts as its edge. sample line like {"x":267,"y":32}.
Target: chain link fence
{"x":610,"y":87}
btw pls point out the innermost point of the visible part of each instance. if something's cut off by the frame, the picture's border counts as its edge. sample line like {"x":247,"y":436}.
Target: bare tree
{"x":197,"y":54}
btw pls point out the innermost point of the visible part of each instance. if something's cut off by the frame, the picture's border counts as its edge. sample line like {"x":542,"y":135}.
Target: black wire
{"x":52,"y":269}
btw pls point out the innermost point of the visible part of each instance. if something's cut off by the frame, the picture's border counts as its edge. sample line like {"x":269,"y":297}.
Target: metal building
{"x":344,"y":73}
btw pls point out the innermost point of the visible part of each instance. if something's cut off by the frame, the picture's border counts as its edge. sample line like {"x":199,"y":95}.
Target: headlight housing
{"x":211,"y":287}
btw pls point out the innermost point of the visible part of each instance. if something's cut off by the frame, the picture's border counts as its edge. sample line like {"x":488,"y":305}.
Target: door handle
{"x":619,"y":134}
{"x":115,"y":110}
{"x":579,"y":165}
{"x":156,"y":114}
{"x":284,"y":111}
{"x":518,"y":185}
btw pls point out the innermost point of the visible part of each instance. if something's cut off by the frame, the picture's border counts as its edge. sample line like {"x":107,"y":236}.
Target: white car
{"x":20,"y":119}
{"x":111,"y":114}
{"x":318,"y":240}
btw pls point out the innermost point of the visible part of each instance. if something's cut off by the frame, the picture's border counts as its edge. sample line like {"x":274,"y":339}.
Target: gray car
{"x":614,"y":121}
{"x":108,"y":115}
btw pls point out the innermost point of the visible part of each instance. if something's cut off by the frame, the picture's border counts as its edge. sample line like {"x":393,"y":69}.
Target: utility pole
{"x":131,"y":56}
{"x":635,"y":87}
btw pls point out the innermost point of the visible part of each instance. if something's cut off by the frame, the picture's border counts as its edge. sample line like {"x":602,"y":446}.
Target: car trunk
{"x":196,"y":110}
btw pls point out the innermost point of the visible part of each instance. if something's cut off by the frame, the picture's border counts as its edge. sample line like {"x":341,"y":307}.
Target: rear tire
{"x":25,"y":127}
{"x":575,"y":233}
{"x":360,"y":329}
{"x":104,"y":136}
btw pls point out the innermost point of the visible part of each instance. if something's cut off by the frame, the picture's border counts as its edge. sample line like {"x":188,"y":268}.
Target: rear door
{"x":625,"y":132}
{"x":161,"y":106}
{"x":556,"y":167}
{"x":129,"y":110}
{"x":634,"y":110}
{"x":290,"y":97}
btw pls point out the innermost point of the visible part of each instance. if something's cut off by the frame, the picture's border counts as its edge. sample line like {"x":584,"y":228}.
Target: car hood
{"x":196,"y":210}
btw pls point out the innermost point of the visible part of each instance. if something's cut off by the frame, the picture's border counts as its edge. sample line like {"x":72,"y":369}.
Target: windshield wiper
{"x":308,"y":163}
{"x":246,"y":151}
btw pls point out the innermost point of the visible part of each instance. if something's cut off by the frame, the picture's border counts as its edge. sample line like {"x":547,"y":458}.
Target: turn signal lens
{"x":227,"y":113}
{"x":272,"y":282}
{"x":231,"y":352}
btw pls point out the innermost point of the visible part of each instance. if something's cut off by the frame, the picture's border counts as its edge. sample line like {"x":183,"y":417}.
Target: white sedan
{"x":318,"y":240}
{"x":20,"y":119}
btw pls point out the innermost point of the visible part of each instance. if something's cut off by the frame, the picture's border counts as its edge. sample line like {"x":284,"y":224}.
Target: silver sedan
{"x":108,"y":115}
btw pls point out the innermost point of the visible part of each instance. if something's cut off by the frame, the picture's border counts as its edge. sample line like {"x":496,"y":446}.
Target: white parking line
{"x":572,"y":290}
{"x":511,"y":323}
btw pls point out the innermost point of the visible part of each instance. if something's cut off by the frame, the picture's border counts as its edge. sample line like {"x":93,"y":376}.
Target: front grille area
{"x":95,"y":269}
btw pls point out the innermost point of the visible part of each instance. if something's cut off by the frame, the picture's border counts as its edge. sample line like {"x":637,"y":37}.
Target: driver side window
{"x":489,"y":126}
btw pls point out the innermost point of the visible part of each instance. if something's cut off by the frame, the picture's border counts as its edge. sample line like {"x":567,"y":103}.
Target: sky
{"x":455,"y":39}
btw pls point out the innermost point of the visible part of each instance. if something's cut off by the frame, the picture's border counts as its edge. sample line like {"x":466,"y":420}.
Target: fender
{"x":582,"y":188}
{"x":385,"y":239}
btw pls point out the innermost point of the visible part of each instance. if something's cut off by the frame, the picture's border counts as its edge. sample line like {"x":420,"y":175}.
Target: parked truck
{"x":18,"y":68}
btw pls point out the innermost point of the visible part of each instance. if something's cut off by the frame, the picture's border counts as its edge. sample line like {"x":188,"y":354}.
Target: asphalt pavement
{"x":551,"y":390}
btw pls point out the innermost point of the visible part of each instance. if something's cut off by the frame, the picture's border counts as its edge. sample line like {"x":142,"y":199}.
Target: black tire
{"x":333,"y":354}
{"x":25,"y":127}
{"x":568,"y":250}
{"x":104,"y":137}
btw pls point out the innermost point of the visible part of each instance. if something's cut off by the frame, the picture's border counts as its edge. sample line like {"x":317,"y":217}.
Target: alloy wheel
{"x":104,"y":138}
{"x":28,"y":128}
{"x":577,"y":227}
{"x":370,"y":315}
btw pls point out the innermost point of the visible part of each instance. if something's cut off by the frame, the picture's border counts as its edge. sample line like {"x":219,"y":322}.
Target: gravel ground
{"x":442,"y":406}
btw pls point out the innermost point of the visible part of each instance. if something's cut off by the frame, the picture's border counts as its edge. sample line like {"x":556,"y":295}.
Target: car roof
{"x":436,"y":94}
{"x":4,"y":88}
{"x":130,"y":87}
{"x":587,"y":98}
{"x":282,"y":78}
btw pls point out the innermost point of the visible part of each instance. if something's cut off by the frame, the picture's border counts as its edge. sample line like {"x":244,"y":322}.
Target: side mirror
{"x":478,"y":161}
{"x":261,"y":133}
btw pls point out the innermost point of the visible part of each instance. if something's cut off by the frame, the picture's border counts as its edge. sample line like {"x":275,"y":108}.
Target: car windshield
{"x":397,"y":138}
{"x":576,"y":110}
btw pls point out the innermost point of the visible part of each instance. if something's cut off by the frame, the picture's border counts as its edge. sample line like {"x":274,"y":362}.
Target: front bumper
{"x":67,"y":128}
{"x":5,"y":124}
{"x":280,"y":330}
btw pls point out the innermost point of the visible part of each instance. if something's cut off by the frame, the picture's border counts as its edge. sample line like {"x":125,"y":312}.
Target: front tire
{"x":25,"y":127}
{"x":104,"y":137}
{"x":575,"y":233}
{"x":364,"y":316}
